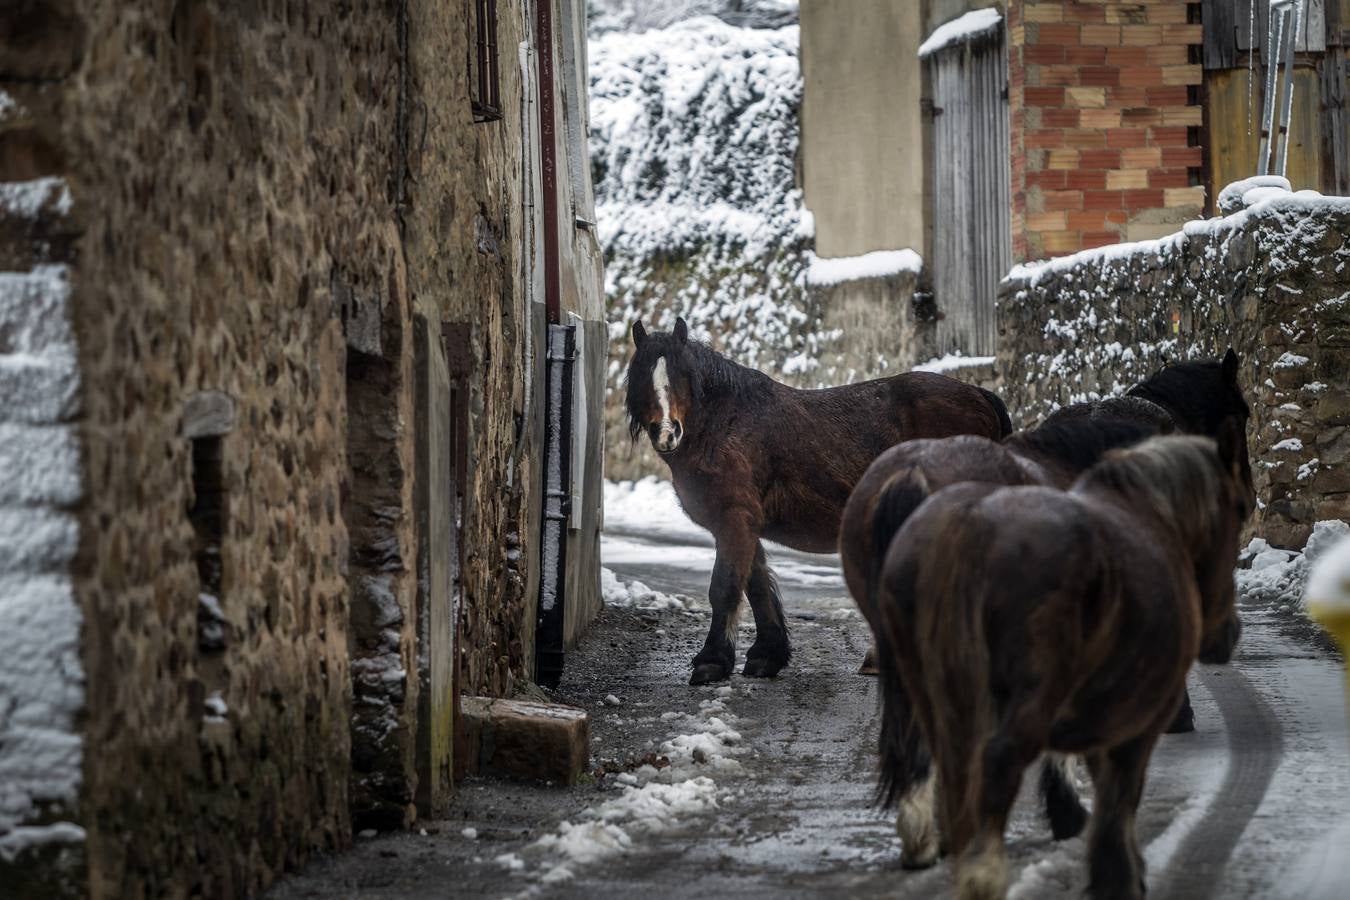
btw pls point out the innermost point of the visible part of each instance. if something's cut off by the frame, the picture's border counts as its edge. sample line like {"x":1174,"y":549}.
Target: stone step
{"x":523,"y":739}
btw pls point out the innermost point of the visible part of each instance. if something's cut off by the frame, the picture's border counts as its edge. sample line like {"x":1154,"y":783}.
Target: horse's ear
{"x":639,"y":333}
{"x":1230,"y":367}
{"x":681,"y":330}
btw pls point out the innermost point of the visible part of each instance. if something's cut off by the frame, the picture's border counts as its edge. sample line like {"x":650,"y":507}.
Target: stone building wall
{"x":1272,"y":281}
{"x":254,"y":201}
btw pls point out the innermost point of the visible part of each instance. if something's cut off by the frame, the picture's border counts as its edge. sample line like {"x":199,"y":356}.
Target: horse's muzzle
{"x":1217,"y":647}
{"x":666,"y":436}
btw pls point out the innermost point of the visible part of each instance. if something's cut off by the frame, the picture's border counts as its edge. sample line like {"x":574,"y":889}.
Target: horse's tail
{"x":904,"y":758}
{"x":1004,"y":420}
{"x":1063,"y":807}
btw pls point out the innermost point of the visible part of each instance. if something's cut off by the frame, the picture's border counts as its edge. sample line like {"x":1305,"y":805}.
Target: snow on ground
{"x":958,"y":30}
{"x":648,"y":506}
{"x":634,"y":593}
{"x":649,"y":801}
{"x":1277,"y":577}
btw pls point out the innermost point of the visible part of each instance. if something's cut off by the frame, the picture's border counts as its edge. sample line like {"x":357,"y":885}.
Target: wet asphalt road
{"x":1255,"y":804}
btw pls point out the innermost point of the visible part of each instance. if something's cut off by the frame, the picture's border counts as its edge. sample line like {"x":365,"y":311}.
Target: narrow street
{"x":768,"y":789}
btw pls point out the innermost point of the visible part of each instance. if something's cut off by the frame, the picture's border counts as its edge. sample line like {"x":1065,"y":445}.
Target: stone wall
{"x":253,"y":201}
{"x":1272,"y":281}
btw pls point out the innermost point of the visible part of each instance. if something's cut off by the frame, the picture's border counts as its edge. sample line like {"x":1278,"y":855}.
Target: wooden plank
{"x":1219,"y":43}
{"x":1312,"y":33}
{"x":1334,"y":68}
{"x":1232,"y":149}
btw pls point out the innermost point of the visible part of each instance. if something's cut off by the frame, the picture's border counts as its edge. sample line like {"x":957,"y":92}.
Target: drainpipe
{"x":561,"y":348}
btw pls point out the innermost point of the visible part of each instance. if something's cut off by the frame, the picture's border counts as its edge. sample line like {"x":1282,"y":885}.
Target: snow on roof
{"x":961,"y":29}
{"x":877,"y":264}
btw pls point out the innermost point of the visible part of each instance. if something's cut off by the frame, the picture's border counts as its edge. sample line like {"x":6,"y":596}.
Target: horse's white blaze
{"x":666,"y":439}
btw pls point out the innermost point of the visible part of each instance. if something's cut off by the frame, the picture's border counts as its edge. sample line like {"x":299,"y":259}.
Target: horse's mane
{"x":1195,"y":393}
{"x":711,"y":375}
{"x":1179,"y":477}
{"x":1078,"y":435}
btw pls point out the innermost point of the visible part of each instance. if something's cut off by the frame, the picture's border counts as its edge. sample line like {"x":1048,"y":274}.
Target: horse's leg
{"x":771,"y":649}
{"x":1115,"y":865}
{"x":1063,"y":806}
{"x":982,"y":869}
{"x":1184,"y":720}
{"x":736,"y":543}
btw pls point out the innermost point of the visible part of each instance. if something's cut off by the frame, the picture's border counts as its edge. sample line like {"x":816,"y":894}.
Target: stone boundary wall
{"x":1272,"y":280}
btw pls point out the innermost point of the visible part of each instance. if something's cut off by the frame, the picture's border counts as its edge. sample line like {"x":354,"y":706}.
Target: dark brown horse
{"x":751,"y":458}
{"x":1191,"y":397}
{"x":1018,"y":620}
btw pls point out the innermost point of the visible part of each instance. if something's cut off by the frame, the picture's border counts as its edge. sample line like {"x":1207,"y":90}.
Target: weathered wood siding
{"x":972,"y":236}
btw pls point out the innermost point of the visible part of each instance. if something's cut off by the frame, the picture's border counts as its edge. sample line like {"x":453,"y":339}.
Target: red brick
{"x":1063,"y":200}
{"x":1167,"y":14}
{"x":1044,"y":96}
{"x":1084,"y":138}
{"x":1086,"y":179}
{"x":1043,"y":54}
{"x":1078,"y":12}
{"x":1140,"y":115}
{"x":1168,"y":136}
{"x":1150,"y":198}
{"x":1062,"y":35}
{"x":1127,"y":137}
{"x":1059,"y":118}
{"x":1050,"y":180}
{"x":1117,"y":216}
{"x":1127,"y":56}
{"x":1105,"y":199}
{"x":1141,"y":76}
{"x":1050,"y":76}
{"x":1166,"y":55}
{"x":1099,"y":159}
{"x":1128,"y":96}
{"x":1092,"y":239}
{"x":1172,"y":95}
{"x":1087,"y":220}
{"x":1179,"y":157}
{"x":1085,"y":56}
{"x":1169,"y":178}
{"x":1182,"y":34}
{"x":1043,"y":139}
{"x":1099,"y":76}
{"x":1101,"y":35}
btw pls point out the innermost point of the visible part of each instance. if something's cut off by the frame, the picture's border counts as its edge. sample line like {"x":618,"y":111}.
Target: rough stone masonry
{"x":1271,"y":280}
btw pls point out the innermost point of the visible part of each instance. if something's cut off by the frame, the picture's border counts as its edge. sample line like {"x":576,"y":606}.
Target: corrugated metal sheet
{"x":972,"y":235}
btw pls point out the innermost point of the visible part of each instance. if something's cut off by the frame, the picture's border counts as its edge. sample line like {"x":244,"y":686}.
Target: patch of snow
{"x":1289,"y":360}
{"x":469,"y":833}
{"x":877,"y":264}
{"x":634,"y":594}
{"x":1278,"y":577}
{"x":26,"y":199}
{"x":953,"y":361}
{"x":1232,"y":197}
{"x":216,"y":708}
{"x":959,"y":30}
{"x":648,"y":506}
{"x":1293,"y":445}
{"x":509,"y":861}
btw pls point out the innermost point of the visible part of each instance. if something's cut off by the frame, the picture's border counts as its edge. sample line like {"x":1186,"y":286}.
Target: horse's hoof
{"x":762,"y":667}
{"x":1184,"y":723}
{"x":707,"y":673}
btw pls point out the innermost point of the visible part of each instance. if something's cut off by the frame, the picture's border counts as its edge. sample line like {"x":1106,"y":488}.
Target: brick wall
{"x":1105,"y":120}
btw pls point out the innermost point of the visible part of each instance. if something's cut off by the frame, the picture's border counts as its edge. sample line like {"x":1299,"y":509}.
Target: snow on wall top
{"x":41,"y":672}
{"x":693,"y":137}
{"x":877,"y":264}
{"x":1260,"y":202}
{"x":961,"y":29}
